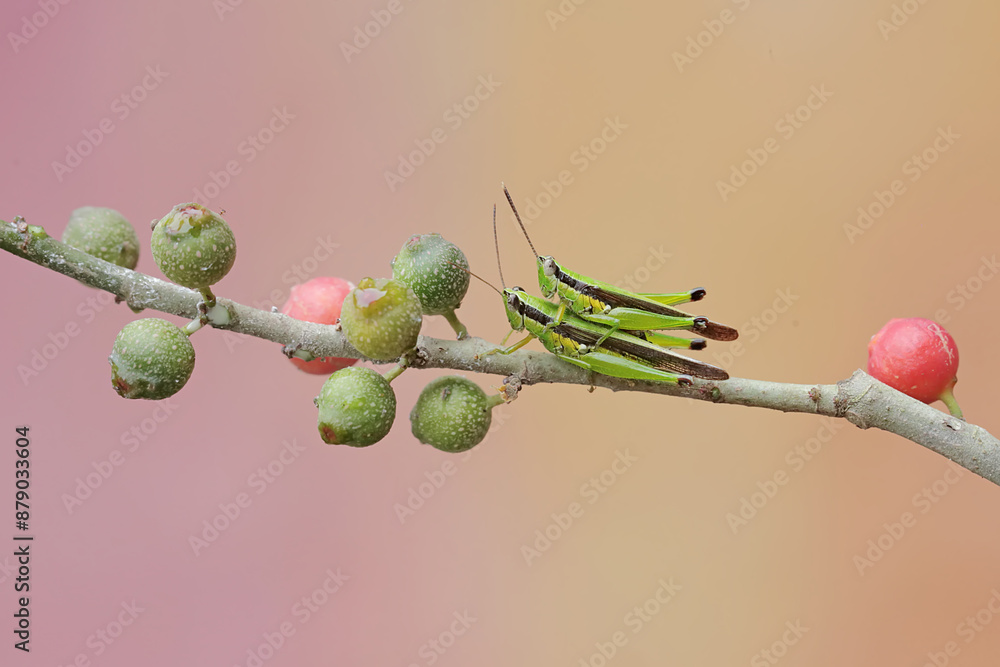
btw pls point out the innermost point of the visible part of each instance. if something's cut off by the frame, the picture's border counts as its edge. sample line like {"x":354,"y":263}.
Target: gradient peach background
{"x":654,"y":187}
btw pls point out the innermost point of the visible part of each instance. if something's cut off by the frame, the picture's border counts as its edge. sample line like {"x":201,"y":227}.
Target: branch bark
{"x":861,"y":399}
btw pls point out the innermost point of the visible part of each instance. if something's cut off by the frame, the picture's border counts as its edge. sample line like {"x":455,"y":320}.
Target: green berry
{"x":103,"y":233}
{"x":151,"y":358}
{"x":452,"y":414}
{"x":427,"y":263}
{"x":381,"y":318}
{"x":193,"y":246}
{"x":356,"y":407}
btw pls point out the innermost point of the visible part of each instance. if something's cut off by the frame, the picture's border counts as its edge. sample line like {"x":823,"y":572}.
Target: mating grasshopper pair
{"x":605,"y":329}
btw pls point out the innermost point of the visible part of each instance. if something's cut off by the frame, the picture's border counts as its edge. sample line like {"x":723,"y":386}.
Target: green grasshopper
{"x":618,"y":309}
{"x":576,"y":341}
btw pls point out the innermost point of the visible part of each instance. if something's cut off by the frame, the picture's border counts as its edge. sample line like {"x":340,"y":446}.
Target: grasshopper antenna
{"x":497,"y":246}
{"x":489,"y":284}
{"x":518,"y":216}
{"x":496,"y":242}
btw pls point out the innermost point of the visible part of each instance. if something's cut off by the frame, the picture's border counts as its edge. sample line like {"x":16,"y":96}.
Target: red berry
{"x":917,"y":357}
{"x":319,"y":300}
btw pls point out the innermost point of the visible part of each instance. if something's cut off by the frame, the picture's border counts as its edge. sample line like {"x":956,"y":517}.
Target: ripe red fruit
{"x":319,"y":300}
{"x":917,"y":357}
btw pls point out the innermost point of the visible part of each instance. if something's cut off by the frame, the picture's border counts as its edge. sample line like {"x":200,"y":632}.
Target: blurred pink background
{"x":642,"y":109}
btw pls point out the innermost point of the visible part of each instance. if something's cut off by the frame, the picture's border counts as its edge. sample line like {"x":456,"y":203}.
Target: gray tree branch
{"x":861,"y":399}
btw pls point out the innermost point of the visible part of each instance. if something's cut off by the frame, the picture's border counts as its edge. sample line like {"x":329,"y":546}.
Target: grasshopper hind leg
{"x":663,"y":340}
{"x":619,"y":367}
{"x":697,"y":294}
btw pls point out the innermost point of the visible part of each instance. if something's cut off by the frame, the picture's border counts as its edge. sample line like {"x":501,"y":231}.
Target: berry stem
{"x":948,"y":398}
{"x":207,"y":296}
{"x":395,"y":371}
{"x":494,"y":400}
{"x":456,"y":324}
{"x":193,"y":326}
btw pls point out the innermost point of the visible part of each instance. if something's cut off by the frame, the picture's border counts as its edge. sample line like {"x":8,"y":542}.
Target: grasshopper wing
{"x":637,"y":348}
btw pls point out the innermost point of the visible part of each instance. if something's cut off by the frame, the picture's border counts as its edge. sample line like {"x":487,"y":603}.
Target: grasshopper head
{"x":515,"y":307}
{"x":547,"y":280}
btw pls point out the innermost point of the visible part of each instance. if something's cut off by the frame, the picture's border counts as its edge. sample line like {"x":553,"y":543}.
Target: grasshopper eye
{"x":549,"y":266}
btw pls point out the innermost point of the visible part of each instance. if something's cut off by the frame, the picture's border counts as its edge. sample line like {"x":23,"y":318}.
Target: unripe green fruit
{"x":356,"y":407}
{"x":427,"y":263}
{"x":151,"y":358}
{"x":103,"y":233}
{"x":452,"y":414}
{"x":381,"y":318}
{"x":193,"y":246}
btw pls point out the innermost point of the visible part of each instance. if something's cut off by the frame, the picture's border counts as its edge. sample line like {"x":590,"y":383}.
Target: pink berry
{"x":319,"y":300}
{"x":917,"y":357}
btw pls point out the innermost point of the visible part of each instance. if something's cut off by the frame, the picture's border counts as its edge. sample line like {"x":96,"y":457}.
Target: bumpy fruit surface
{"x":426,"y":263}
{"x":356,"y":407}
{"x":319,"y":300}
{"x":104,"y":233}
{"x":917,"y":357}
{"x":381,"y":318}
{"x":452,"y":414}
{"x":151,"y":358}
{"x":193,"y":246}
